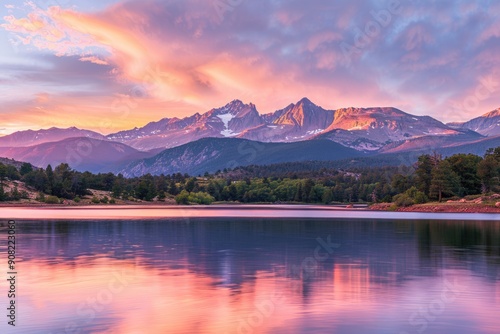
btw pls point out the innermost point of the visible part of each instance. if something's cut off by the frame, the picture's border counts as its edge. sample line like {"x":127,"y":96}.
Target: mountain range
{"x":226,"y":136}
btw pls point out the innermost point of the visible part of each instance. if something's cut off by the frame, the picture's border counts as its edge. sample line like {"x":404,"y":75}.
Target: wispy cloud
{"x":94,"y":60}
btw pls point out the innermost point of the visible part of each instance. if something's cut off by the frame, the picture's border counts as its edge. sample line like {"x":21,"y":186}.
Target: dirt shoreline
{"x":440,"y":207}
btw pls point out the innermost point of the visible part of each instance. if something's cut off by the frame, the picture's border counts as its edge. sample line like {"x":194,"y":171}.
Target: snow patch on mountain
{"x":226,"y":118}
{"x":314,"y":132}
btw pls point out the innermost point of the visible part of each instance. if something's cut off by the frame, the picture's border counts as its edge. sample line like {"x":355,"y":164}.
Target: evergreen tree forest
{"x":431,"y":178}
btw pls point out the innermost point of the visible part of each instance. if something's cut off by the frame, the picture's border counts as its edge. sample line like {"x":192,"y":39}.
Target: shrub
{"x":41,"y":197}
{"x":393,"y":207}
{"x":420,"y":198}
{"x":195,"y":198}
{"x":417,"y":196}
{"x":182,"y":198}
{"x":15,"y":195}
{"x":112,"y":201}
{"x":386,"y":199}
{"x":403,"y":200}
{"x":161,"y":196}
{"x":77,"y":199}
{"x":472,"y":197}
{"x":201,"y":198}
{"x":95,"y":200}
{"x":52,"y":200}
{"x":410,"y":197}
{"x":104,"y":199}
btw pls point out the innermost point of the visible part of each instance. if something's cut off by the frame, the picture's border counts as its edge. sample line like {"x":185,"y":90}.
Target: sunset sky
{"x":66,"y":63}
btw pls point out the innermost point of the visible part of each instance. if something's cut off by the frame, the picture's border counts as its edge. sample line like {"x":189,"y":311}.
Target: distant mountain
{"x":376,"y":130}
{"x":212,"y":154}
{"x":227,"y":121}
{"x":365,"y":129}
{"x":373,"y":128}
{"x":407,"y":158}
{"x":31,"y":137}
{"x":82,"y":154}
{"x":487,"y":124}
{"x":296,"y":122}
{"x":432,"y":142}
{"x":478,"y":147}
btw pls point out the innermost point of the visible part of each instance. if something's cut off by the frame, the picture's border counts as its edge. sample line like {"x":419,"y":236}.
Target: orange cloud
{"x":104,"y":114}
{"x":32,"y":23}
{"x":132,"y":54}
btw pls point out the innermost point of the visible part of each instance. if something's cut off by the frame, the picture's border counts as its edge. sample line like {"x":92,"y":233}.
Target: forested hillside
{"x":431,"y":178}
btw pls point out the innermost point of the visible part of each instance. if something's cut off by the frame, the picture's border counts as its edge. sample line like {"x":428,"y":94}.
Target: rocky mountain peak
{"x":304,"y":114}
{"x":491,"y":114}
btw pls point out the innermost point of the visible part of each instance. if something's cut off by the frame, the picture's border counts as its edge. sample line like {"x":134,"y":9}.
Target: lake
{"x":256,"y":275}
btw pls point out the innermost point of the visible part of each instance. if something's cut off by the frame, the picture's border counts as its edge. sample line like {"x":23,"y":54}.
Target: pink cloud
{"x":43,"y":30}
{"x":32,"y":23}
{"x":94,"y":60}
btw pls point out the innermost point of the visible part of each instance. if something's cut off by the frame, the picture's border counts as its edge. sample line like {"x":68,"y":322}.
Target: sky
{"x":112,"y":65}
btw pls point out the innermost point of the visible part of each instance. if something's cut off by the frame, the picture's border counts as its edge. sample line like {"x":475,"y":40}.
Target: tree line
{"x":430,"y":178}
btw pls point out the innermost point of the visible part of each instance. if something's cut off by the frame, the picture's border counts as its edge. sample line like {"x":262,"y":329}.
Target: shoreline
{"x":432,"y":207}
{"x":272,"y":211}
{"x":440,"y":208}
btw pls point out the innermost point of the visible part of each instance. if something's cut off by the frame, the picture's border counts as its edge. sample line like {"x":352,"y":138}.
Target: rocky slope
{"x":227,"y":121}
{"x":373,"y":128}
{"x":487,"y":124}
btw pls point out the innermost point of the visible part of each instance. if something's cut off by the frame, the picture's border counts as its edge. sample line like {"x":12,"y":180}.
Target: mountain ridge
{"x":211,"y":154}
{"x":487,"y":124}
{"x":367,"y":131}
{"x":34,"y":137}
{"x":81,"y":153}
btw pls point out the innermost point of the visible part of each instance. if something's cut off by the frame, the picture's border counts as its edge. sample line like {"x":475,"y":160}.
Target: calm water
{"x":242,"y":275}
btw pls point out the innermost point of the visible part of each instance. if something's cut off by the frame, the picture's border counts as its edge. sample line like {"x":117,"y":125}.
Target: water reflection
{"x":259,"y":276}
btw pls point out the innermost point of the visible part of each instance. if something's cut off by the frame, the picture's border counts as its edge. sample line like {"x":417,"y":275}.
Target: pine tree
{"x":190,"y":185}
{"x":26,"y":168}
{"x":327,"y":196}
{"x":50,"y":178}
{"x":444,"y":181}
{"x":213,"y":190}
{"x":306,"y":190}
{"x":298,"y":193}
{"x":172,"y":188}
{"x":3,"y":173}
{"x":488,"y":170}
{"x":424,"y":173}
{"x":466,"y":167}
